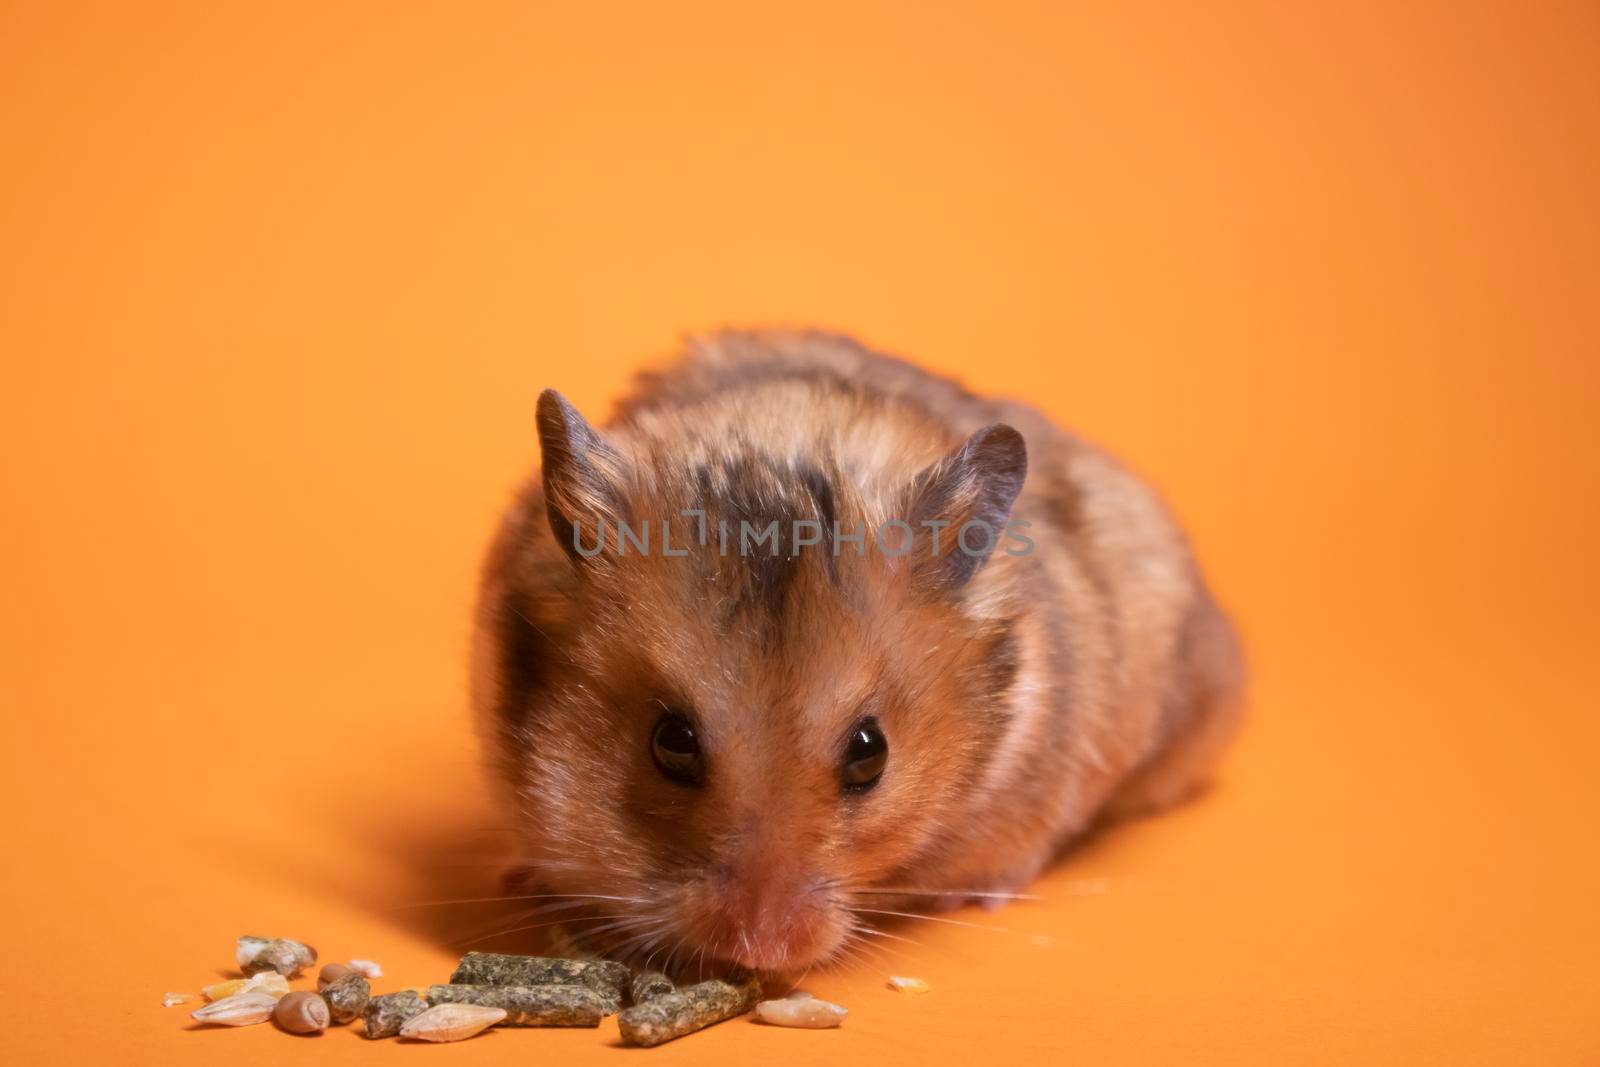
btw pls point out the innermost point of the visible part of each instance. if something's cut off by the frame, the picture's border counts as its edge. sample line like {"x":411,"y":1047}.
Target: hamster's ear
{"x":583,"y":476}
{"x":972,"y":490}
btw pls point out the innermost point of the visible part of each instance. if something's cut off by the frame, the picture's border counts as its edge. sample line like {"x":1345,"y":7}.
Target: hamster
{"x":806,"y":630}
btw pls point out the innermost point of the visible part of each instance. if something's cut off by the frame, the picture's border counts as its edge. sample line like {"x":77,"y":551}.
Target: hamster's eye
{"x":865,"y":757}
{"x":677,"y":750}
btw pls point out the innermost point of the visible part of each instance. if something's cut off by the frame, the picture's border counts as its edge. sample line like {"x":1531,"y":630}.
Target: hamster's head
{"x":726,"y":727}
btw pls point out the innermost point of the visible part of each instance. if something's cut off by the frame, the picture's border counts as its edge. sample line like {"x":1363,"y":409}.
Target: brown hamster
{"x":771,"y":698}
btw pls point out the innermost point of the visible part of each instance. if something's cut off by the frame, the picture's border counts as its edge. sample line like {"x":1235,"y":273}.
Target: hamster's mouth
{"x":720,"y":947}
{"x":775,"y":959}
{"x":697,"y":929}
{"x":768,"y":933}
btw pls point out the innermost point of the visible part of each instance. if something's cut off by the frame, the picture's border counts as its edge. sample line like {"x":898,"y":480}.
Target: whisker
{"x":641,"y":941}
{"x":529,"y":913}
{"x":798,"y":982}
{"x":872,"y":931}
{"x":533,"y":926}
{"x":527,"y":896}
{"x":963,"y":893}
{"x":876,"y":954}
{"x":932,"y":919}
{"x":630,"y":922}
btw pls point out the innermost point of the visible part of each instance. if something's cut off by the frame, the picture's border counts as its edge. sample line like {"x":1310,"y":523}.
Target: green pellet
{"x":385,"y":1015}
{"x":347,"y":997}
{"x":683,"y":1011}
{"x":648,"y":985}
{"x":529,"y":1005}
{"x":496,"y":968}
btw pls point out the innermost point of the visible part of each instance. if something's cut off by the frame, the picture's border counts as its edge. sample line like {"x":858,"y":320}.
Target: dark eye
{"x":864,"y":758}
{"x":677,"y":750}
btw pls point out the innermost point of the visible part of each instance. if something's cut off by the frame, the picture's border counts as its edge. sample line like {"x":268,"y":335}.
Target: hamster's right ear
{"x":583,"y":476}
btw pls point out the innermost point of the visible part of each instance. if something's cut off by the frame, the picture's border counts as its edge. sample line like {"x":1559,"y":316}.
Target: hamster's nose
{"x":771,"y":919}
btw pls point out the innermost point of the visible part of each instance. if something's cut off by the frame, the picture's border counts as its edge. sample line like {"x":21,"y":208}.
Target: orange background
{"x":278,"y":289}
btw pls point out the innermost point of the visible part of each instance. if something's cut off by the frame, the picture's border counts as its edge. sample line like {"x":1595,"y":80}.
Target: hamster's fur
{"x":1023,"y":696}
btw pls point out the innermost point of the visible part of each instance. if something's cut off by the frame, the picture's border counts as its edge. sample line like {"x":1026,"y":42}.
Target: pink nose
{"x":770,"y":919}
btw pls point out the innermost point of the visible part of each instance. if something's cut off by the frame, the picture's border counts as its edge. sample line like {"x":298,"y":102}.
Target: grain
{"x":331,"y":973}
{"x":801,"y":1010}
{"x":269,"y":982}
{"x":302,"y":1012}
{"x":451,"y":1022}
{"x":241,"y":1009}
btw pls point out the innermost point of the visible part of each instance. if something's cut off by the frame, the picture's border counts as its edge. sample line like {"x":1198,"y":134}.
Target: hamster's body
{"x":691,"y":732}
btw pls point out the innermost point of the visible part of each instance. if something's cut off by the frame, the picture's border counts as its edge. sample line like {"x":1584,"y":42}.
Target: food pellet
{"x":331,"y":973}
{"x":385,"y":1015}
{"x":801,"y":1010}
{"x":302,"y":1012}
{"x":241,"y":1009}
{"x":451,"y":1022}
{"x":279,"y":954}
{"x":529,"y":1005}
{"x":171,"y":999}
{"x":648,"y":985}
{"x":366,"y":969}
{"x":496,"y":968}
{"x":347,"y":998}
{"x":907,"y":985}
{"x":683,"y":1011}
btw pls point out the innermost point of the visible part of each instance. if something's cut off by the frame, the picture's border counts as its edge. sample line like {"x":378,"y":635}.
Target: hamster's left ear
{"x":583,"y":475}
{"x":976,"y":484}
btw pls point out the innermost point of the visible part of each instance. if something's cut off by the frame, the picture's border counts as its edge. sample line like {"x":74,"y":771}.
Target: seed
{"x":279,"y":954}
{"x":366,"y":968}
{"x":241,"y":1009}
{"x":224,"y":989}
{"x":908,"y":985}
{"x":270,"y":982}
{"x":170,"y":999}
{"x":302,"y":1013}
{"x":684,"y":1011}
{"x":647,"y":985}
{"x":384,"y":1015}
{"x":802,"y":1010}
{"x":529,"y":1005}
{"x":347,"y":998}
{"x":451,"y":1022}
{"x":330,"y":973}
{"x":495,"y":968}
